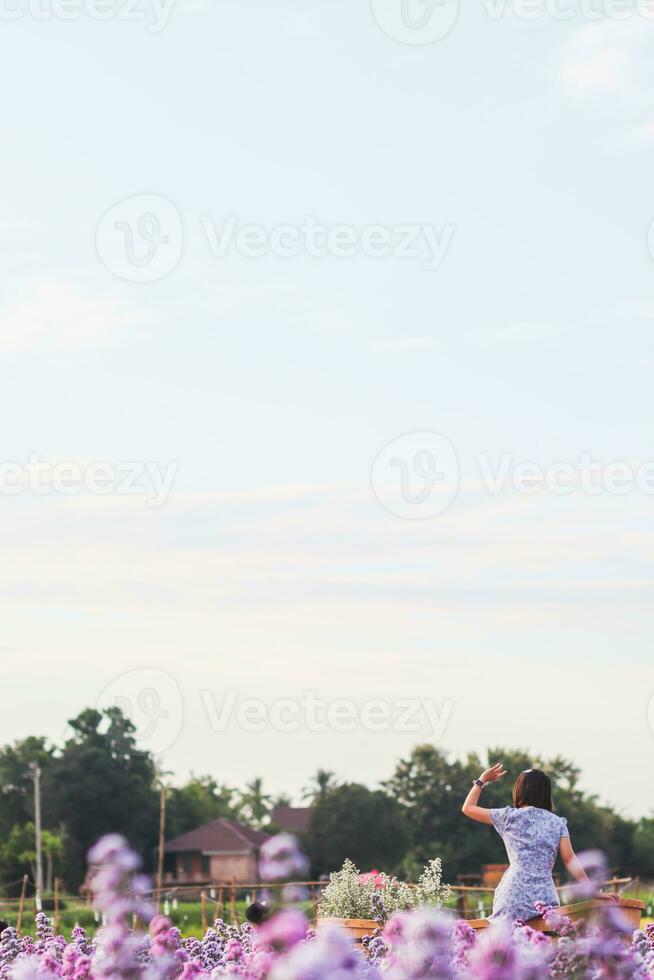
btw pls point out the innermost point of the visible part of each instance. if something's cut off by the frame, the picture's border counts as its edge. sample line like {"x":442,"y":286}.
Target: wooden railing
{"x":614,"y":884}
{"x":219,"y":899}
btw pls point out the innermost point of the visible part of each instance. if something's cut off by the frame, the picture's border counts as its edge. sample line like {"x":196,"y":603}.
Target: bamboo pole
{"x":56,"y":906}
{"x":203,"y":899}
{"x":21,"y":906}
{"x":162,"y":834}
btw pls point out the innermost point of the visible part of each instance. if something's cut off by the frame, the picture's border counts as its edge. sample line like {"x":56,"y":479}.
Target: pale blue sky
{"x":273,"y":383}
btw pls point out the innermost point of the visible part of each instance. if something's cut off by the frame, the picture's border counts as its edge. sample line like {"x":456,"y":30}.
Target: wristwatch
{"x":480,"y":783}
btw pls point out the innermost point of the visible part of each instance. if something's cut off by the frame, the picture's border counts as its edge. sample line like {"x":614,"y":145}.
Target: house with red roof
{"x":292,"y":819}
{"x":221,"y":851}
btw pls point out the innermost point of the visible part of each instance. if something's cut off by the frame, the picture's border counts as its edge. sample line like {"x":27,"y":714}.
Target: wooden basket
{"x":357,"y":928}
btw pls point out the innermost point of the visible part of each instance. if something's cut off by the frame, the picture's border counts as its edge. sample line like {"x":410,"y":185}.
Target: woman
{"x":532,"y":835}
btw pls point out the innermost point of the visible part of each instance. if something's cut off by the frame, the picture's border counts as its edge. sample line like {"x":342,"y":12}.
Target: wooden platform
{"x":631,"y":911}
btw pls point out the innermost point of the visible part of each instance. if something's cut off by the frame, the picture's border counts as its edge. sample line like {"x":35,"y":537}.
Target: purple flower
{"x":284,"y":930}
{"x":331,"y":956}
{"x":294,"y":894}
{"x":281,"y":858}
{"x":494,"y":956}
{"x":595,"y":866}
{"x":191,"y":971}
{"x":396,"y":928}
{"x":425,"y":944}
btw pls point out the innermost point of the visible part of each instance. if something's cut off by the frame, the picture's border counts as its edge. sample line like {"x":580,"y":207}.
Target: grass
{"x":187,"y":916}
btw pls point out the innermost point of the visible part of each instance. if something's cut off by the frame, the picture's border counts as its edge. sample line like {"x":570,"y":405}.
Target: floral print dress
{"x":531,"y":837}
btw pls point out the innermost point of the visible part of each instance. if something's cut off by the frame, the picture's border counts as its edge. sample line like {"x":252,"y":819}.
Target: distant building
{"x":292,"y":819}
{"x":216,"y":852}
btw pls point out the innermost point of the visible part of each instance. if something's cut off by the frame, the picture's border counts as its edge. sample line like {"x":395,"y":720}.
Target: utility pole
{"x":162,"y":843}
{"x":36,"y":769}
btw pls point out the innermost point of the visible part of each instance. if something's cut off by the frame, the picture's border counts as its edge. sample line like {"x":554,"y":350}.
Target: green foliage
{"x":321,"y":783}
{"x":17,"y":806}
{"x":255,"y":804}
{"x":16,"y":780}
{"x":199,"y":801}
{"x":99,"y":783}
{"x":17,"y":852}
{"x":643,"y":844}
{"x":432,"y":789}
{"x":352,"y":821}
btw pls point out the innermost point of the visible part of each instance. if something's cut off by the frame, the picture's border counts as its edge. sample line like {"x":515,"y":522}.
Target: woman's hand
{"x":494,"y":773}
{"x":470,"y":808}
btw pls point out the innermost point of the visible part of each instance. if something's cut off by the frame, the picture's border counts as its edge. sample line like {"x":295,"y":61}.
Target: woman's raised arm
{"x":470,"y":808}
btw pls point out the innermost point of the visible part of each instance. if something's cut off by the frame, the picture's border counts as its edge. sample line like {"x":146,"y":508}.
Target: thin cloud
{"x":192,"y":6}
{"x":607,"y":58}
{"x":60,"y":316}
{"x":643,"y":133}
{"x":396,"y":345}
{"x":523,"y":332}
{"x":599,"y":72}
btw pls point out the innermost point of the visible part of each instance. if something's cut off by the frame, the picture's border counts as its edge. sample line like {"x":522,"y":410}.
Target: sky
{"x":327,"y":360}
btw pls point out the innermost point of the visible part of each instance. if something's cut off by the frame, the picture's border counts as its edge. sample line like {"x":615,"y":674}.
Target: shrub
{"x":351,"y":895}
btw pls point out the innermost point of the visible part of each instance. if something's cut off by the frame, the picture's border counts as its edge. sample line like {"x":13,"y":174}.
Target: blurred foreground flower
{"x":281,"y":859}
{"x":426,"y":943}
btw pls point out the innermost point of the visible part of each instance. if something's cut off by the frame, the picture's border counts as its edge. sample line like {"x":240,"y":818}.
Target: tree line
{"x":99,"y":781}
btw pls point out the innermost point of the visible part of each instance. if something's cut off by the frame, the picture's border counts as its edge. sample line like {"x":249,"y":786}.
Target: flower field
{"x":135,"y":943}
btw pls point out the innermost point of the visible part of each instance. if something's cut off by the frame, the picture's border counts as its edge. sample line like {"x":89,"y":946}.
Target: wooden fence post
{"x":203,"y":899}
{"x":21,"y":905}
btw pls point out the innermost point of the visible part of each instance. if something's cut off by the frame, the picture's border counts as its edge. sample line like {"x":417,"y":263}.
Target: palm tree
{"x":321,"y":784}
{"x":256,"y":803}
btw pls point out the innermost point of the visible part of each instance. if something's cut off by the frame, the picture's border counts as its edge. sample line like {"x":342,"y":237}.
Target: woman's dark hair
{"x":533,"y":788}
